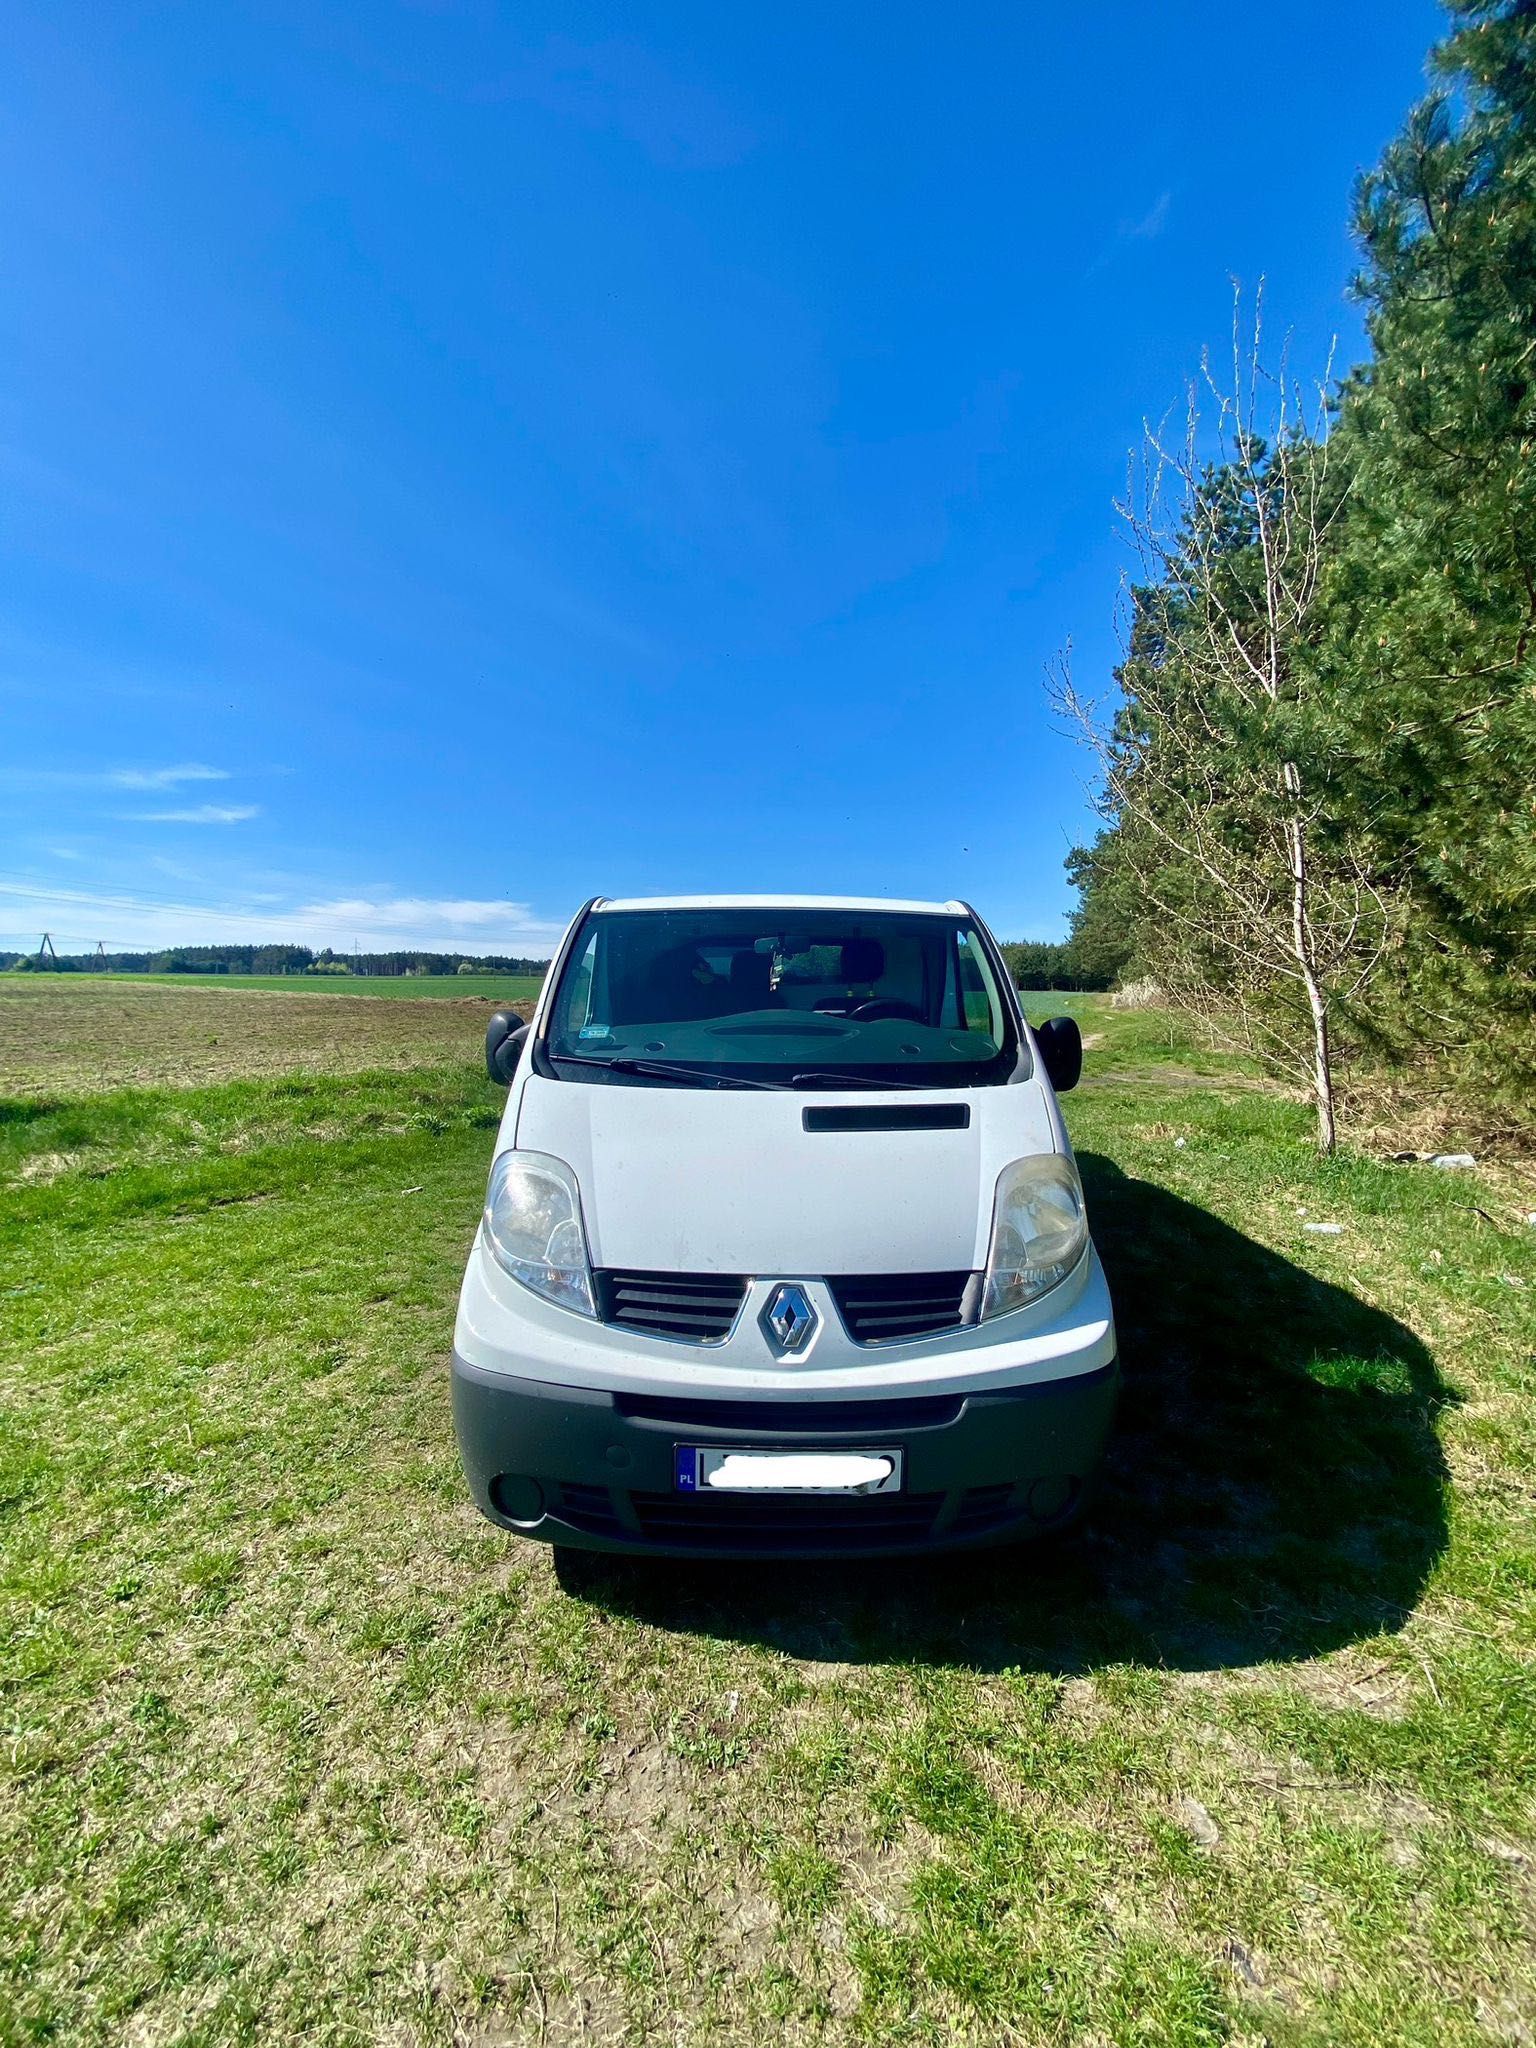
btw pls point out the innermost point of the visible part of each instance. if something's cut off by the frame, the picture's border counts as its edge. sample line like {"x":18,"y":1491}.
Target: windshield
{"x":795,"y":998}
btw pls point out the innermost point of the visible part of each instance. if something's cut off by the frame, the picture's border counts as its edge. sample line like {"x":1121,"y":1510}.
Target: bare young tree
{"x":1261,"y":914}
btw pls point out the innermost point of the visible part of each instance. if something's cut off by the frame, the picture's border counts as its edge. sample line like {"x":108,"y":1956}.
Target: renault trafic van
{"x":784,"y":1249}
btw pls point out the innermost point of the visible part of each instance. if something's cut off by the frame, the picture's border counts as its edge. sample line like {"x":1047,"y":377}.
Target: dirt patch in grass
{"x":1169,"y":1077}
{"x":76,"y":1040}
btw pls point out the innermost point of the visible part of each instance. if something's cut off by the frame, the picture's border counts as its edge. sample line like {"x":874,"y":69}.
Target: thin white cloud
{"x":165,"y":778}
{"x":1152,"y":223}
{"x":409,"y":913}
{"x":144,"y":779}
{"x":197,"y":814}
{"x":128,"y":922}
{"x":1145,"y":229}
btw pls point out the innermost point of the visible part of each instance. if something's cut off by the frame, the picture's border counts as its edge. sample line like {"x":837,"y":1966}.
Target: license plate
{"x":704,"y":1468}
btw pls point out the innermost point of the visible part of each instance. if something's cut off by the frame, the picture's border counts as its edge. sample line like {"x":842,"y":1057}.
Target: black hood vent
{"x":889,"y":1116}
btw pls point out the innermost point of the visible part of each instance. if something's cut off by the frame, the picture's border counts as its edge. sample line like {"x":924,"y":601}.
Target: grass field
{"x":410,"y":988}
{"x":297,"y":1749}
{"x":86,"y":1032}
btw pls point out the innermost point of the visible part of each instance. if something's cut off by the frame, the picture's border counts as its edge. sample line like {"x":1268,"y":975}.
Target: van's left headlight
{"x":1039,"y":1232}
{"x":534,"y":1231}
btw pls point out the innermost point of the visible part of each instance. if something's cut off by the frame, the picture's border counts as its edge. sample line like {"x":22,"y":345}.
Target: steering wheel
{"x":886,"y":1006}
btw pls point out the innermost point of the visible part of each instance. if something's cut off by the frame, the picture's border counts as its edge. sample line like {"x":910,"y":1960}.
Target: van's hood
{"x":729,"y":1181}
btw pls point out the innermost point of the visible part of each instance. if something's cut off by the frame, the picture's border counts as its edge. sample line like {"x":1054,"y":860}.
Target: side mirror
{"x":1061,"y":1049}
{"x":504,"y":1037}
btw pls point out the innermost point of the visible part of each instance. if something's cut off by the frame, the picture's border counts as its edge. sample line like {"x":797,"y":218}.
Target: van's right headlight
{"x":534,"y":1231}
{"x":1039,"y":1232}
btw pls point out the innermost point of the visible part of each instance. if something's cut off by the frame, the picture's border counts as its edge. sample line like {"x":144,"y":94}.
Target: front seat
{"x":752,"y":982}
{"x":683,"y":989}
{"x":863,"y":963}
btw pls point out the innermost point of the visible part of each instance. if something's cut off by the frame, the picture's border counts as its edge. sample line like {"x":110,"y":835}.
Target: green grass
{"x":513,"y":988}
{"x":1152,"y":1046}
{"x":297,"y":1748}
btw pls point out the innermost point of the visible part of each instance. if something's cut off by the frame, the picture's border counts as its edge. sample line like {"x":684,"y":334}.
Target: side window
{"x":978,"y":994}
{"x":576,"y":1005}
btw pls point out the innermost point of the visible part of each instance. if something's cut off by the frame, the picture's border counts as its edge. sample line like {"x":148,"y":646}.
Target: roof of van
{"x":779,"y":903}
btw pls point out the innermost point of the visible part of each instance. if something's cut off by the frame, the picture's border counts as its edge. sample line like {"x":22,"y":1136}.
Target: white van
{"x":784,"y":1249}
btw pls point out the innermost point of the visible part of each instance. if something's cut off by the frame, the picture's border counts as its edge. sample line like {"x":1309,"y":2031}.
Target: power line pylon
{"x":45,"y":951}
{"x":100,"y":957}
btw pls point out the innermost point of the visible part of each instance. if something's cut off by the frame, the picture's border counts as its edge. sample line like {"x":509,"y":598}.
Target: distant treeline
{"x":1036,"y":964}
{"x":1033,"y":963}
{"x":272,"y":960}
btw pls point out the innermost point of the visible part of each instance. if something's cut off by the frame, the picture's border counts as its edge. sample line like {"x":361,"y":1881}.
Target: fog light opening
{"x":519,"y":1499}
{"x":1049,"y":1499}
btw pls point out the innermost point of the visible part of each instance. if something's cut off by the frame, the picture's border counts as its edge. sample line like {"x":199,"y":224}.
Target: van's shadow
{"x":1275,"y":1488}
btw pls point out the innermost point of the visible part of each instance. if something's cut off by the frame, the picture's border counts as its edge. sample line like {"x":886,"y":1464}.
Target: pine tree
{"x":1430,"y":600}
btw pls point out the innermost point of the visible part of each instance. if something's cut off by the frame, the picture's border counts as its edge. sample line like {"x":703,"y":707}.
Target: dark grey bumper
{"x":595,"y":1470}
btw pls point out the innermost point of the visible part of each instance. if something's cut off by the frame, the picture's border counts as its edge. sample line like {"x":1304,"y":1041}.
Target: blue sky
{"x":458,"y":459}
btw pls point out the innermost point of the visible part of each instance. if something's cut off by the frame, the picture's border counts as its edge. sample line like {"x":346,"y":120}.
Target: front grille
{"x":697,"y":1307}
{"x":782,"y":1523}
{"x":852,"y":1419}
{"x":983,"y":1507}
{"x":879,"y":1307}
{"x":701,"y":1307}
{"x":590,"y":1508}
{"x":786,"y":1522}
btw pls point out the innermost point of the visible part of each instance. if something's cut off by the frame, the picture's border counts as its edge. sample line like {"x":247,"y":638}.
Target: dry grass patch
{"x":70,"y":1039}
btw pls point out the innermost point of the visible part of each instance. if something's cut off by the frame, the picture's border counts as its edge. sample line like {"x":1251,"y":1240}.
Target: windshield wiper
{"x":662,"y":1070}
{"x":813,"y":1079}
{"x":624,"y":1063}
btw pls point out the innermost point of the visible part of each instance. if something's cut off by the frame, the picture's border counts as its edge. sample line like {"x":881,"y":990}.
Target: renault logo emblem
{"x":789,"y":1317}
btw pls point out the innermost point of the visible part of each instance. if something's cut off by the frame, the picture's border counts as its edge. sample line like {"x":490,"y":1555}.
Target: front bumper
{"x":502,"y":1328}
{"x":593,"y":1469}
